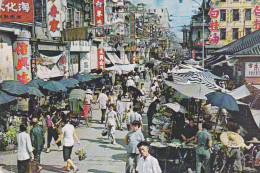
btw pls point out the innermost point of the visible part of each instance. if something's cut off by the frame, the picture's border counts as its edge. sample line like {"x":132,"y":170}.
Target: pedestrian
{"x":143,"y":91}
{"x":124,"y":86}
{"x":38,"y":140}
{"x":103,"y":101}
{"x":147,"y":163}
{"x":204,"y":140}
{"x":87,"y":103}
{"x":152,"y":90}
{"x":24,"y":150}
{"x":52,"y":124}
{"x":190,"y":131}
{"x":135,"y":116}
{"x":151,"y":111}
{"x":111,"y":119}
{"x":139,"y":105}
{"x":67,"y":133}
{"x":128,"y":114}
{"x":112,"y":99}
{"x":137,"y":80}
{"x":132,"y":139}
{"x":130,"y":82}
{"x":119,"y":107}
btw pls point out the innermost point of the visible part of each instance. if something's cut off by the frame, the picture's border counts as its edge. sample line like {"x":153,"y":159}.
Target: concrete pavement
{"x":102,"y":157}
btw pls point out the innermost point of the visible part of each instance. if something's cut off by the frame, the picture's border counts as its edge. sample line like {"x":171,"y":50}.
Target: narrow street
{"x":102,"y":157}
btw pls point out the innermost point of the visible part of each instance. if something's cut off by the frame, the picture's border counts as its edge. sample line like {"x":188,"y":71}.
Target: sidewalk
{"x":102,"y":157}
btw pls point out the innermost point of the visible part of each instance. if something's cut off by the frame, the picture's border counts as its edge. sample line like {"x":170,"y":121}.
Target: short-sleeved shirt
{"x":119,"y":107}
{"x":24,"y":146}
{"x":88,"y":98}
{"x":190,"y":131}
{"x":135,"y":116}
{"x":68,"y":131}
{"x":133,"y":138}
{"x":258,"y":155}
{"x":203,"y":139}
{"x":111,"y":118}
{"x":148,"y":165}
{"x":102,"y":100}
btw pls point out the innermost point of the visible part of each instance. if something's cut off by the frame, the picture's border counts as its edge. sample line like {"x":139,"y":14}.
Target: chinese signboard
{"x":6,"y":59}
{"x":99,"y":17}
{"x":134,"y":58}
{"x":101,"y":58}
{"x":54,"y":18}
{"x":252,"y":69}
{"x":16,"y":11}
{"x":256,"y":22}
{"x":214,"y":26}
{"x":132,"y":25}
{"x":22,"y":54}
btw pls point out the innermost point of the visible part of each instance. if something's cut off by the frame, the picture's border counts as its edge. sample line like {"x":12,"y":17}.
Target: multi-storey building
{"x":233,"y":19}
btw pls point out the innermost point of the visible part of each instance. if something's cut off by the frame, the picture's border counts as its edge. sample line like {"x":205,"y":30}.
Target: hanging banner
{"x":99,"y":17}
{"x":134,"y":58}
{"x":101,"y":58}
{"x":16,"y":11}
{"x":54,"y":17}
{"x":22,"y":55}
{"x":6,"y":59}
{"x":132,"y":25}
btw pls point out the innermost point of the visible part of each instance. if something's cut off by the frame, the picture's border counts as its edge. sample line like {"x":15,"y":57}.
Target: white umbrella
{"x":176,"y":107}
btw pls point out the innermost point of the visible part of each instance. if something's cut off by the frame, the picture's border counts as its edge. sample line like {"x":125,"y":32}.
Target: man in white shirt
{"x":130,"y":82}
{"x":24,"y":150}
{"x":88,"y":97}
{"x":67,"y":133}
{"x":135,"y":116}
{"x":147,"y":163}
{"x":137,"y":80}
{"x":103,"y":100}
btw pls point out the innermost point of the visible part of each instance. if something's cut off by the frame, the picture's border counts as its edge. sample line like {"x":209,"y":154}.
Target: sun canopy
{"x":114,"y":58}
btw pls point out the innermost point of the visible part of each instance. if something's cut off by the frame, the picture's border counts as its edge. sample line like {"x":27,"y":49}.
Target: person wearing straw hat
{"x":204,"y":140}
{"x":234,"y":142}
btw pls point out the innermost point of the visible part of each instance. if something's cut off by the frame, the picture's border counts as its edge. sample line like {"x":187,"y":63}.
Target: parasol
{"x":176,"y":107}
{"x":5,"y":98}
{"x":78,"y":94}
{"x":53,"y":86}
{"x":14,"y":87}
{"x":35,"y":83}
{"x":231,"y":139}
{"x":136,"y":90}
{"x":222,"y":100}
{"x":83,"y":77}
{"x":69,"y":82}
{"x":35,"y":91}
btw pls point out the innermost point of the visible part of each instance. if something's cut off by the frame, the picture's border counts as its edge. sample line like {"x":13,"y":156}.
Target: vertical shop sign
{"x":101,"y":58}
{"x":22,"y":66}
{"x":33,"y":65}
{"x":16,"y":11}
{"x":54,"y":17}
{"x":132,"y":25}
{"x":99,"y":17}
{"x":134,"y":58}
{"x":214,"y":26}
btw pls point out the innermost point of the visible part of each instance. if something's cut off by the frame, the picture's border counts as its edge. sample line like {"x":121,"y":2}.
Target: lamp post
{"x":203,"y":30}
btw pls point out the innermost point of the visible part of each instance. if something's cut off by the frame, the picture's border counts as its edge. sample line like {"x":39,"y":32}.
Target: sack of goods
{"x":81,"y":153}
{"x":104,"y":132}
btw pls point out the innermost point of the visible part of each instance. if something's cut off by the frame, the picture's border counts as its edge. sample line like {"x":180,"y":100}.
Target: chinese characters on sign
{"x":214,"y":26}
{"x":101,"y":58}
{"x":16,"y":11}
{"x":21,"y":61}
{"x":256,"y":22}
{"x":54,"y":18}
{"x":132,"y":25}
{"x":99,"y":16}
{"x":33,"y":65}
{"x":134,"y":58}
{"x":252,"y":69}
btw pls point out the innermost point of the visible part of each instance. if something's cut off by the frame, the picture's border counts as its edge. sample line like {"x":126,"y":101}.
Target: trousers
{"x":131,"y":162}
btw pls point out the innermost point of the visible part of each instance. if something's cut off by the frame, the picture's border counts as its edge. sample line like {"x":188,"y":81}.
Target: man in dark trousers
{"x":37,"y":138}
{"x":151,"y":111}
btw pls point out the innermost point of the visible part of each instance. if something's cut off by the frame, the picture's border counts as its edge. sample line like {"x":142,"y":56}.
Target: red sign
{"x":101,"y":58}
{"x":132,"y":25}
{"x":193,"y":54}
{"x":99,"y":16}
{"x":199,"y":43}
{"x":213,"y":13}
{"x":214,"y":25}
{"x":257,"y":24}
{"x":16,"y":11}
{"x":257,"y":11}
{"x":213,"y":39}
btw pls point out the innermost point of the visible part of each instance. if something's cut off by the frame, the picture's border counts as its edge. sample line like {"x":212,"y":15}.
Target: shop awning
{"x":114,"y":58}
{"x":44,"y":72}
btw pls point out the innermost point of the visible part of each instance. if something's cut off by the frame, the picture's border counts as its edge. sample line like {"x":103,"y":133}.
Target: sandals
{"x":74,"y":171}
{"x":65,"y":168}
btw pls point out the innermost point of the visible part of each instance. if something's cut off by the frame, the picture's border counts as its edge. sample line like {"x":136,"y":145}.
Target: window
{"x":235,"y":33}
{"x":69,"y":18}
{"x":222,"y":15}
{"x":223,"y":1}
{"x":235,"y":15}
{"x":248,"y":14}
{"x":223,"y":34}
{"x":198,"y":34}
{"x":40,"y":11}
{"x":85,"y":64}
{"x":248,"y":31}
{"x":77,"y":18}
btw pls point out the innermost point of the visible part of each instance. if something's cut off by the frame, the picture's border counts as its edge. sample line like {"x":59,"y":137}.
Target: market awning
{"x":114,"y":58}
{"x":44,"y":72}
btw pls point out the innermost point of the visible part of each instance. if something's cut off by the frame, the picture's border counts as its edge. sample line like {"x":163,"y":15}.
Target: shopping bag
{"x":104,"y":132}
{"x":32,"y":167}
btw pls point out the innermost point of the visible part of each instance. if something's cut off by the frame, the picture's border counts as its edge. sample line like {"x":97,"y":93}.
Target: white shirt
{"x":113,"y":99}
{"x":153,"y":89}
{"x":137,"y":78}
{"x":135,"y":116}
{"x":148,"y":165}
{"x":102,"y":100}
{"x":88,"y":98}
{"x":24,"y":146}
{"x":119,"y":107}
{"x":68,"y":131}
{"x":130,"y":82}
{"x":111,"y":118}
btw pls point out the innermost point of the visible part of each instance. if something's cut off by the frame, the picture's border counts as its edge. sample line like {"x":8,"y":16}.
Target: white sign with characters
{"x":252,"y":69}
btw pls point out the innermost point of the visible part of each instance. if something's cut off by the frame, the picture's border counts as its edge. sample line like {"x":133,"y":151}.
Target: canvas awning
{"x":114,"y":58}
{"x":44,"y":72}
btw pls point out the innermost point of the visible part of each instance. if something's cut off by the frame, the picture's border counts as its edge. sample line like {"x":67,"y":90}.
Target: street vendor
{"x":190,"y":131}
